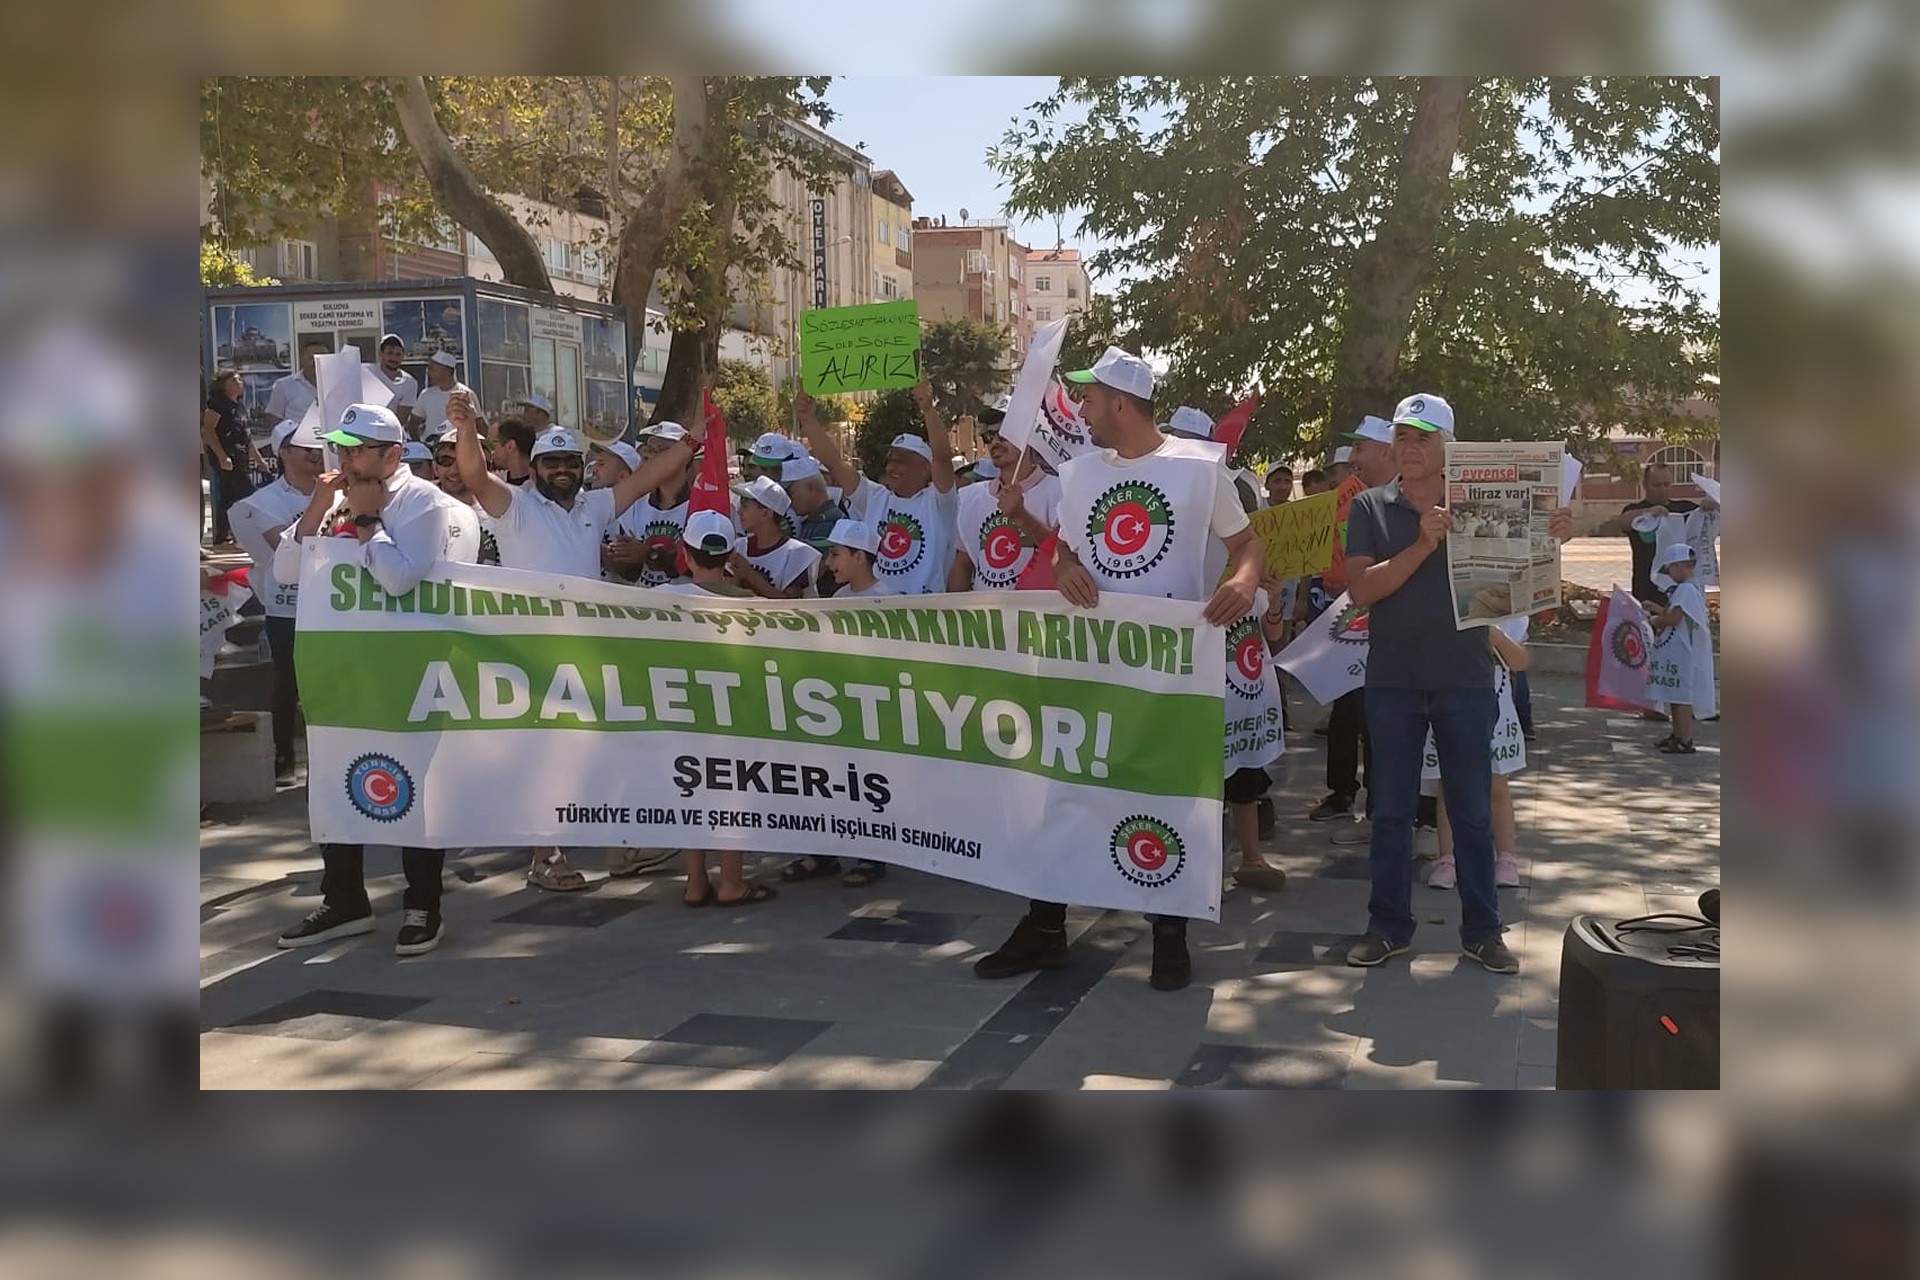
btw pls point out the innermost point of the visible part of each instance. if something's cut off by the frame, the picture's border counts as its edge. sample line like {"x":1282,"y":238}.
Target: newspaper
{"x":1501,"y":561}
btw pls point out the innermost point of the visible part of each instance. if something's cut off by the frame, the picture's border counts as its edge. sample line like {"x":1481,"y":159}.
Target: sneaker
{"x":1332,"y":807}
{"x":1426,"y":843}
{"x":283,"y":768}
{"x":1506,"y":871}
{"x":1172,"y":966}
{"x":1374,"y":949}
{"x":419,"y":931}
{"x":1264,"y":816}
{"x":1493,"y":956}
{"x":1358,"y":832}
{"x":1027,"y":948}
{"x":1442,"y":875}
{"x":324,"y":925}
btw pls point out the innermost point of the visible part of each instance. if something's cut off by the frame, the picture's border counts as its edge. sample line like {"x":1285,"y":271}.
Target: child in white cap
{"x":1681,"y":665}
{"x":851,"y":548}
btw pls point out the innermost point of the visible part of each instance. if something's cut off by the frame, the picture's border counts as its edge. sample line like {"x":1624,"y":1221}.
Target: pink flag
{"x":1617,"y":656}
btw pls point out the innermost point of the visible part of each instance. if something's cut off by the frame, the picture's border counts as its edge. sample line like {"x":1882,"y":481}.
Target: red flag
{"x":1230,"y":428}
{"x":710,"y":489}
{"x":1038,"y":575}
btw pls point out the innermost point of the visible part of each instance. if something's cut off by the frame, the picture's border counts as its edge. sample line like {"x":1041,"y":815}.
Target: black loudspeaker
{"x":1639,"y":1004}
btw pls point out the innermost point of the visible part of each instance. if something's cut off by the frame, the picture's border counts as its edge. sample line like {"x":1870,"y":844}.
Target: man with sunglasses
{"x":402,"y":526}
{"x":554,"y":525}
{"x":258,"y":521}
{"x":468,"y":516}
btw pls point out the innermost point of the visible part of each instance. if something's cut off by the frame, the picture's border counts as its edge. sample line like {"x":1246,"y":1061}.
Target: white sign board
{"x":337,"y":313}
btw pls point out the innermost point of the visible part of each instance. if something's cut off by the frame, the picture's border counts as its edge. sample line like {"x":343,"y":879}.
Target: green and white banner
{"x":1003,"y":738}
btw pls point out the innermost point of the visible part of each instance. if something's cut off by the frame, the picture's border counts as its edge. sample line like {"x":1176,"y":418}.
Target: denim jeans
{"x":1462,"y":721}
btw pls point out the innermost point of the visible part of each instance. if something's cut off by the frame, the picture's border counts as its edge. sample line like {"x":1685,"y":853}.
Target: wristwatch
{"x":365,"y":521}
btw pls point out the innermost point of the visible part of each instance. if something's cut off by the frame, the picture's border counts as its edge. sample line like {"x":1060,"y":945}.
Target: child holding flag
{"x":1681,"y":666}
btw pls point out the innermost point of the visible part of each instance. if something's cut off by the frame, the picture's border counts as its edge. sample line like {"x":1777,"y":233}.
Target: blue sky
{"x":934,"y":132}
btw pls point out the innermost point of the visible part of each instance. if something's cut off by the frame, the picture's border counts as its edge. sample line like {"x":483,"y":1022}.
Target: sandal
{"x":809,"y":868}
{"x":552,"y":872}
{"x":1272,"y":879}
{"x":1664,"y":743}
{"x":624,"y":863}
{"x":862,"y":874}
{"x":1675,"y":747}
{"x":756,"y":892}
{"x":704,"y":901}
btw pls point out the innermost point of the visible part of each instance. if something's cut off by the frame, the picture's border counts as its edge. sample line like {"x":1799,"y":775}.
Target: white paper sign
{"x":1035,"y":376}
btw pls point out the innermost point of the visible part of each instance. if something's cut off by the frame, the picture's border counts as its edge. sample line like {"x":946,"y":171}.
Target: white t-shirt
{"x":272,"y":506}
{"x":291,"y":397}
{"x":916,"y":535}
{"x":463,"y":534}
{"x":1144,"y":526}
{"x":878,"y":588}
{"x":431,"y":404}
{"x":405,"y":391}
{"x":654,"y":528}
{"x":999,"y":549}
{"x":790,"y":560}
{"x":540,"y":535}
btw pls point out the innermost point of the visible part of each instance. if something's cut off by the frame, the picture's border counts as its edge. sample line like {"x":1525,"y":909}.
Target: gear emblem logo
{"x":902,"y":543}
{"x":1628,"y":645}
{"x":380,"y":787}
{"x":1130,"y":529}
{"x":1147,"y":851}
{"x":1246,"y":657}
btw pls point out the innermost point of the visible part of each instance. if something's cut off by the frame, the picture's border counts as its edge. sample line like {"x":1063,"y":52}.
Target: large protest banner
{"x":1501,"y":561}
{"x":1296,"y":538}
{"x":1005,"y":739}
{"x":866,"y":348}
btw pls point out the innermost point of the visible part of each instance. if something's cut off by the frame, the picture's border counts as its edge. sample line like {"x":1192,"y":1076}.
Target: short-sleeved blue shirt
{"x":1411,"y":640}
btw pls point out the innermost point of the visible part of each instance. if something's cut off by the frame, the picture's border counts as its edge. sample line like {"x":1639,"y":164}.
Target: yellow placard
{"x":1297,"y":537}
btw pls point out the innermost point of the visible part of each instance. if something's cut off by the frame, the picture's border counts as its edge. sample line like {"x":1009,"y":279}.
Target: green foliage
{"x":744,"y":394}
{"x":892,"y":413}
{"x":966,"y":362}
{"x":831,"y":410}
{"x":1552,"y":306}
{"x":219,"y":269}
{"x":1091,"y":331}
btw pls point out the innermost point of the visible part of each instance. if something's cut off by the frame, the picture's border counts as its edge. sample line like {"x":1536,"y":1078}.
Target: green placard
{"x":869,"y":348}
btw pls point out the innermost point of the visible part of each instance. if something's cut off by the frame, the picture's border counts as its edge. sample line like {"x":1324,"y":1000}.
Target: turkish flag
{"x":710,"y":489}
{"x":1234,"y":425}
{"x":1038,"y":575}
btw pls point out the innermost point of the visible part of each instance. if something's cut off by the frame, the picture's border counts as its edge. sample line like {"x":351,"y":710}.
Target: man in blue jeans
{"x":1421,"y":673}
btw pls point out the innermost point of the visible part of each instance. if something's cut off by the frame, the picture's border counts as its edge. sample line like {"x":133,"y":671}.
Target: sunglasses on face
{"x":988,"y":437}
{"x":560,"y":464}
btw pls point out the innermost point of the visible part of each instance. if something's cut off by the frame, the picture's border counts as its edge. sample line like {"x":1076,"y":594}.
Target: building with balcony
{"x":1056,"y":284}
{"x":965,"y":270}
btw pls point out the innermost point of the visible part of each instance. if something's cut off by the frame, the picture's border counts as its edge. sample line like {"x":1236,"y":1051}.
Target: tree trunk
{"x":649,"y":225}
{"x":1389,"y":269}
{"x":459,"y":193}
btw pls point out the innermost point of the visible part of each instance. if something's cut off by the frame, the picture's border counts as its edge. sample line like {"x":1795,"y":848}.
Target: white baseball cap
{"x":799,"y":469}
{"x":1121,"y":370}
{"x":1189,"y":421}
{"x":1674,"y":554}
{"x":775,"y":447}
{"x":1425,"y":411}
{"x":540,"y":402}
{"x":557,"y":440}
{"x":281,"y":430}
{"x":1343,"y":454}
{"x":994,"y":414}
{"x":914,"y":445}
{"x":414,"y":451}
{"x":445,"y":431}
{"x":709,"y":531}
{"x":856,"y":534}
{"x":766,"y":491}
{"x":367,"y":424}
{"x":623,"y":451}
{"x":446,"y":358}
{"x":1378,"y":430}
{"x":665,"y":431}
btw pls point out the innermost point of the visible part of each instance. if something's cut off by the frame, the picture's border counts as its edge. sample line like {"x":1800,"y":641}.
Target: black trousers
{"x":1349,"y":751}
{"x":286,"y":690}
{"x":343,"y":879}
{"x":1053,"y":915}
{"x":228,"y":488}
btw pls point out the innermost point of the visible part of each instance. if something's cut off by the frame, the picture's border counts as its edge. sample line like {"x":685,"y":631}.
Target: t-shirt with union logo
{"x":916,"y":535}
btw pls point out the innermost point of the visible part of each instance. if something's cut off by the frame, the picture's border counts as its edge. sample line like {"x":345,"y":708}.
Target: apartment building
{"x":1056,"y":284}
